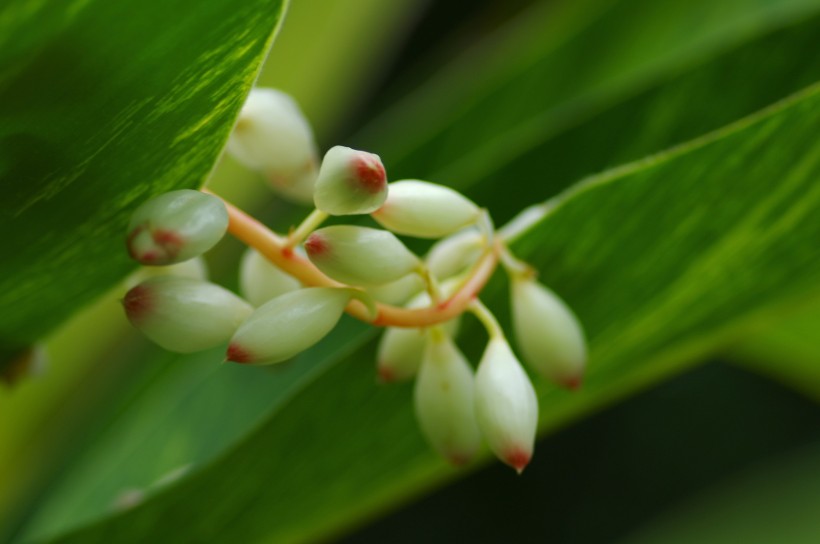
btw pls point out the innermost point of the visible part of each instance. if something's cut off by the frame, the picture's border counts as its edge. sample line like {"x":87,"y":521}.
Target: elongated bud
{"x":360,"y":255}
{"x":287,"y":325}
{"x":183,"y":314}
{"x":453,"y":254}
{"x":350,"y":182}
{"x":547,"y":332}
{"x":398,"y":292}
{"x":444,"y":400}
{"x":506,"y":405}
{"x":425,"y":210}
{"x":175,"y":227}
{"x":261,"y":281}
{"x":272,"y":136}
{"x":401,"y":349}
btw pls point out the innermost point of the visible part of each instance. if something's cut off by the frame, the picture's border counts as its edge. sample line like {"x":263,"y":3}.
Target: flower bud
{"x":453,"y":254}
{"x":288,"y":325}
{"x":444,"y":400}
{"x":261,"y":281}
{"x":425,"y":210}
{"x":360,"y":255}
{"x":401,"y":349}
{"x":350,"y":182}
{"x":184,"y":315}
{"x":506,"y":405}
{"x":547,"y":332}
{"x":273,"y":137}
{"x":175,"y":227}
{"x":397,"y":292}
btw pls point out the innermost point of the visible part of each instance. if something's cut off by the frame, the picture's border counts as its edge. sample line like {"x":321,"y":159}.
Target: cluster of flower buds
{"x":295,"y":288}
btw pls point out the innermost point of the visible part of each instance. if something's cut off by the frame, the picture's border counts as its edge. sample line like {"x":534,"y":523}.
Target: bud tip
{"x":573,"y":383}
{"x":137,"y":302}
{"x":238,"y":354}
{"x":316,"y":245}
{"x":370,"y":172}
{"x":385,"y":374}
{"x":517,"y":459}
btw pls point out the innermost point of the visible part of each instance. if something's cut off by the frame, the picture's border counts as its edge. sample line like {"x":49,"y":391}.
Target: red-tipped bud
{"x":506,"y":405}
{"x":425,"y":210}
{"x":350,"y":182}
{"x":548,"y":333}
{"x":272,"y":136}
{"x":183,"y":314}
{"x":398,"y":292}
{"x":175,"y":227}
{"x":444,"y":400}
{"x":261,"y":281}
{"x":288,"y":325}
{"x":360,"y":255}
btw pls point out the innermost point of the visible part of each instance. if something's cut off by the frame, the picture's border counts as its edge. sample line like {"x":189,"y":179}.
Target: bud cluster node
{"x":295,"y":288}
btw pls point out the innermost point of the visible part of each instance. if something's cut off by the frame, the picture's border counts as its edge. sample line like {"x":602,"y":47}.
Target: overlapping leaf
{"x":101,"y":104}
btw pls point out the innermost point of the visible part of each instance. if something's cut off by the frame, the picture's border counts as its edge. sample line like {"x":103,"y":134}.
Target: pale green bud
{"x":184,"y":315}
{"x":272,"y":136}
{"x":288,"y":325}
{"x":350,"y":182}
{"x":401,"y":349}
{"x":451,"y":255}
{"x":261,"y":281}
{"x":175,"y":227}
{"x":425,"y":210}
{"x":506,"y":405}
{"x":444,"y":400}
{"x":548,"y":333}
{"x":397,"y":292}
{"x":360,"y":255}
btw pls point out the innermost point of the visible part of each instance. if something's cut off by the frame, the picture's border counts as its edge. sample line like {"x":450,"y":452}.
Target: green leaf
{"x":656,"y":91}
{"x":559,"y":96}
{"x":101,"y":105}
{"x":774,"y":502}
{"x":788,"y":351}
{"x":661,"y":266}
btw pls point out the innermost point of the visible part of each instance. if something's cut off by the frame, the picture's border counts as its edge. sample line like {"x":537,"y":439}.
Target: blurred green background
{"x":556,"y":91}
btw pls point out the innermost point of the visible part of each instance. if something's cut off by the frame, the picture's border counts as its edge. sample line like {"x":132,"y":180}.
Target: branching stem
{"x":277,"y":250}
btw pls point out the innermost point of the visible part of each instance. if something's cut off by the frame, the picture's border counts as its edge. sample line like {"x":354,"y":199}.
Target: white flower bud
{"x":273,"y":137}
{"x":506,"y":405}
{"x":184,"y":315}
{"x":401,"y":349}
{"x":547,"y":332}
{"x":288,"y":325}
{"x":425,"y":210}
{"x":397,"y":292}
{"x":175,"y":227}
{"x":444,"y":400}
{"x":453,"y":254}
{"x":261,"y":281}
{"x":360,"y":255}
{"x":350,"y":182}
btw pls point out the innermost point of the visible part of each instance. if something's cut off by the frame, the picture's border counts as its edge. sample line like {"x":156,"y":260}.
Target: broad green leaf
{"x":101,"y":105}
{"x":543,"y":107}
{"x":773,"y":502}
{"x":664,"y":101}
{"x":664,"y":260}
{"x":788,"y":352}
